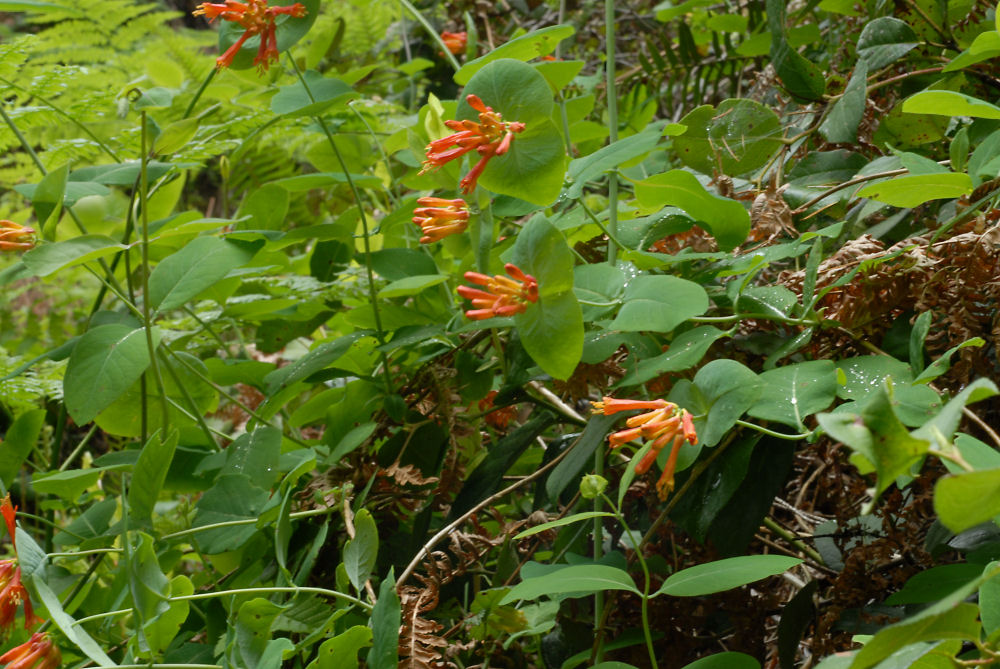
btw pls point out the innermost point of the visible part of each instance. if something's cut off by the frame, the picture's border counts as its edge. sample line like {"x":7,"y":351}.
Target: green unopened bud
{"x":592,"y":485}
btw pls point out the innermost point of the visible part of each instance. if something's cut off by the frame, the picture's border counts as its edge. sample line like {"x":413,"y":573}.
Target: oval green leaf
{"x":949,"y":103}
{"x":915,"y":189}
{"x":197,"y":266}
{"x":580,"y":580}
{"x":105,"y":363}
{"x":535,"y":44}
{"x":50,"y":258}
{"x":726,"y":219}
{"x":659,"y":304}
{"x":738,"y":137}
{"x":704,"y":579}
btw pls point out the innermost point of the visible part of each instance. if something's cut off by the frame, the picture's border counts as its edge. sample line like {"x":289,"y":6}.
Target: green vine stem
{"x":433,"y":33}
{"x":197,"y":94}
{"x":646,"y":631}
{"x":146,"y":318}
{"x":612,"y":94}
{"x":372,"y":293}
{"x":294,"y":590}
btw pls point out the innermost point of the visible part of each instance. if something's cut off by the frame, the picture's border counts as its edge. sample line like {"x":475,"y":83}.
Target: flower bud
{"x":592,"y":486}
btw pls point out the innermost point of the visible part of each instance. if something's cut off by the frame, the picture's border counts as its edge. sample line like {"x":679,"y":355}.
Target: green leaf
{"x":915,"y":189}
{"x":574,"y":518}
{"x":588,"y":168}
{"x":685,"y":351}
{"x":30,"y":555}
{"x":50,"y":258}
{"x":18,"y":442}
{"x":578,"y":580}
{"x":989,"y":602}
{"x":105,"y":363}
{"x":796,"y":391}
{"x":946,"y":420}
{"x":232,"y":498}
{"x":726,"y":219}
{"x":949,"y":103}
{"x":551,"y":332}
{"x":322,"y":93}
{"x":319,"y":358}
{"x":289,"y":31}
{"x":253,"y":631}
{"x":881,"y":439}
{"x":535,"y":44}
{"x":541,"y":251}
{"x":659,"y":304}
{"x":667,"y":11}
{"x":511,"y":88}
{"x":411,"y":285}
{"x":149,"y":587}
{"x":175,"y":136}
{"x":738,"y":137}
{"x":580,"y":456}
{"x":724,"y":390}
{"x":47,"y":200}
{"x":201,"y":263}
{"x":704,"y":579}
{"x":883,"y":41}
{"x":729,"y":660}
{"x":984,"y":47}
{"x":800,"y":77}
{"x":361,"y":551}
{"x":341,"y":652}
{"x":149,"y":474}
{"x":304,"y":182}
{"x":967,"y":499}
{"x":122,"y":419}
{"x":935,"y":583}
{"x":162,"y":629}
{"x":385,"y":621}
{"x":68,"y":485}
{"x":960,"y":622}
{"x":841,"y":125}
{"x":255,"y":454}
{"x":67,"y":625}
{"x":943,"y":363}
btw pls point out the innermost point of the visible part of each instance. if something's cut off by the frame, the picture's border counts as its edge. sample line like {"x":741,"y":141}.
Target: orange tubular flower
{"x":492,"y":136}
{"x":455,"y":41}
{"x":664,"y":422}
{"x":256,"y":18}
{"x":12,"y":591}
{"x":503,"y":296}
{"x":16,"y":237}
{"x":498,"y":418}
{"x":38,"y":652}
{"x":439,"y":218}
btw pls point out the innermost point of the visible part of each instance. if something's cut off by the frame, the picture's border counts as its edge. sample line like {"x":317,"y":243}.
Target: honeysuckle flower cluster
{"x":256,"y":18}
{"x":663,"y":422}
{"x":38,"y":652}
{"x":455,"y":41}
{"x":504,"y":296}
{"x":492,"y":136}
{"x":438,"y":218}
{"x":16,"y":237}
